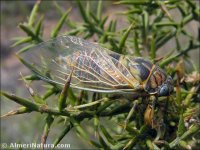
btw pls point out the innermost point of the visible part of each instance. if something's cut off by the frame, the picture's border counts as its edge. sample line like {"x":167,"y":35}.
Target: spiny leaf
{"x":83,"y":13}
{"x":63,"y":95}
{"x":181,"y":126}
{"x":33,"y":14}
{"x":96,"y":124}
{"x":87,"y":8}
{"x":69,"y":22}
{"x":30,"y":66}
{"x":124,"y":37}
{"x":132,"y":130}
{"x":62,"y":135}
{"x":153,"y":48}
{"x":22,"y":41}
{"x":135,"y":2}
{"x":71,"y":96}
{"x":103,"y":21}
{"x":99,"y":9}
{"x":104,"y":106}
{"x":163,"y":24}
{"x":49,"y":121}
{"x":107,"y":135}
{"x":192,"y":130}
{"x":21,"y":101}
{"x":24,"y":49}
{"x":35,"y":96}
{"x":182,"y":52}
{"x":38,"y":26}
{"x":136,"y":44}
{"x":94,"y":17}
{"x":113,"y":27}
{"x":165,"y":38}
{"x":103,"y":143}
{"x":79,"y":129}
{"x":50,"y":92}
{"x":60,"y":23}
{"x":29,"y":32}
{"x":130,"y":144}
{"x":145,"y":21}
{"x":20,"y":110}
{"x":60,"y":10}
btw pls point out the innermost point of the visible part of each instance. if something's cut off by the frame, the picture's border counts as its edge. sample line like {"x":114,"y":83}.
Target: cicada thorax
{"x":149,"y":75}
{"x":156,"y":79}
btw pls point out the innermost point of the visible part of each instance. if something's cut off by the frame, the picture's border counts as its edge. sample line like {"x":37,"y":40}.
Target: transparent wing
{"x":94,"y":68}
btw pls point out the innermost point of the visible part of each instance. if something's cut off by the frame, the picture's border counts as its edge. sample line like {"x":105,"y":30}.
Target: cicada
{"x":95,"y":68}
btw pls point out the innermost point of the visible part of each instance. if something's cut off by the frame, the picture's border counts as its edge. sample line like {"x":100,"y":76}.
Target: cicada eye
{"x":164,"y":91}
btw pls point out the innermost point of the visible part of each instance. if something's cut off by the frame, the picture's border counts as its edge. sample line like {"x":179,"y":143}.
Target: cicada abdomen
{"x":95,"y":68}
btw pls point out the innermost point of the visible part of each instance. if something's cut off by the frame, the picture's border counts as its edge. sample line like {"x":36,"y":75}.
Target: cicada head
{"x":166,"y":88}
{"x":159,"y":83}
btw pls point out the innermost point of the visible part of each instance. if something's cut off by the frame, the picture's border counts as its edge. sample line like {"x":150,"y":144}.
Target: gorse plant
{"x":151,"y":27}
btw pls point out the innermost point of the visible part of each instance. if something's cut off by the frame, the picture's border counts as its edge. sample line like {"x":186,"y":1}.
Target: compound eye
{"x":164,"y":91}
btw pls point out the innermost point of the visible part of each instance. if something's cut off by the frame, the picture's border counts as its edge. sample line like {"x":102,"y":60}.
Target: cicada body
{"x":95,"y":68}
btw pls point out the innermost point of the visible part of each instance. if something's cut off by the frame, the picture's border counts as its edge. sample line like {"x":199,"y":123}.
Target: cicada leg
{"x":149,"y":113}
{"x":159,"y":122}
{"x":130,"y":113}
{"x":160,"y":129}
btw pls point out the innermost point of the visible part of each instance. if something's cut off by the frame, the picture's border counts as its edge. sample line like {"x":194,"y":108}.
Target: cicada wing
{"x":94,"y":68}
{"x":42,"y":57}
